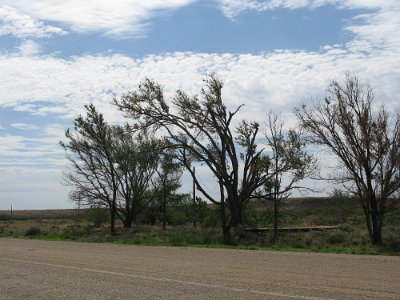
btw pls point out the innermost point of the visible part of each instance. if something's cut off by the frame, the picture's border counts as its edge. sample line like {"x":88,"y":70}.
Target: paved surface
{"x":32,"y":269}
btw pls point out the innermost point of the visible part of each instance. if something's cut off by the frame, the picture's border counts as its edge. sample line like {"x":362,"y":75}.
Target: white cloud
{"x":379,"y":30}
{"x":260,"y":81}
{"x":13,"y":22}
{"x":24,"y":126}
{"x":122,"y":18}
{"x":232,"y":8}
{"x":29,"y":48}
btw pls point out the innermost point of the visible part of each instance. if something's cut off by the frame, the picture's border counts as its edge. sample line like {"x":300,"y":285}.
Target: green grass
{"x":351,"y":237}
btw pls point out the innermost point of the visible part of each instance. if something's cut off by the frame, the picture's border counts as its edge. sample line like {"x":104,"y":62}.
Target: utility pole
{"x":194,"y":198}
{"x":11,"y":212}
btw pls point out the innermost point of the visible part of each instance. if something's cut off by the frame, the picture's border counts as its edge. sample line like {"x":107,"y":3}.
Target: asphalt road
{"x":32,"y":269}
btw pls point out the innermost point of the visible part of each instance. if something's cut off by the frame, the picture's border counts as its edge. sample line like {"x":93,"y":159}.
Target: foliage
{"x":110,"y":166}
{"x":93,"y":169}
{"x":137,"y":160}
{"x":258,"y":217}
{"x":167,"y":180}
{"x":73,"y":233}
{"x":98,"y":216}
{"x":33,"y":231}
{"x":344,"y":204}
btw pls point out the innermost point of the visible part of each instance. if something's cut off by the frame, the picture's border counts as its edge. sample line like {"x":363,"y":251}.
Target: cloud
{"x":29,"y":48}
{"x":13,"y":22}
{"x":126,"y":18}
{"x":232,"y":8}
{"x":281,"y":78}
{"x":24,"y":126}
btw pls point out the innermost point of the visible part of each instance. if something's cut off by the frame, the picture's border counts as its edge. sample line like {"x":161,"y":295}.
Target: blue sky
{"x":56,"y":56}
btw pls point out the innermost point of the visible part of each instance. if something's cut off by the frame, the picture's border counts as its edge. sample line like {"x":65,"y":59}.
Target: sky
{"x":58,"y":55}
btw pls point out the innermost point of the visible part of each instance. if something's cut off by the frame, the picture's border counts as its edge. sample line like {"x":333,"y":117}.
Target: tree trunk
{"x":236,"y":207}
{"x":275,"y":237}
{"x":130,"y":216}
{"x":112,"y":219}
{"x":226,"y":232}
{"x":128,"y":223}
{"x":376,"y":238}
{"x":374,"y":225}
{"x":226,"y":235}
{"x":164,"y":206}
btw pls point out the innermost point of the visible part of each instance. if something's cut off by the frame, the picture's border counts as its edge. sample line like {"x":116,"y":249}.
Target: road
{"x":33,"y":269}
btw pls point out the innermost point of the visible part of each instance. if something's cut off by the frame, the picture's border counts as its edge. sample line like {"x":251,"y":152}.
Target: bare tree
{"x":366,"y":142}
{"x":202,"y":129}
{"x":289,"y":163}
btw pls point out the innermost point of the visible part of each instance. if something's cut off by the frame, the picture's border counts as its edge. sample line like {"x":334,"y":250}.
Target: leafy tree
{"x":167,"y":179}
{"x":110,"y":166}
{"x":289,"y":163}
{"x":137,"y":158}
{"x":92,"y":172}
{"x":366,"y":142}
{"x":201,"y":128}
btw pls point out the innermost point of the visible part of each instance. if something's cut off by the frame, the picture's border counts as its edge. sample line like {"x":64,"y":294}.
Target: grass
{"x":351,"y":236}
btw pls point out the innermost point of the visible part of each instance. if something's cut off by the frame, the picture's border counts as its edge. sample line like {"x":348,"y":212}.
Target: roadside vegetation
{"x":92,"y":225}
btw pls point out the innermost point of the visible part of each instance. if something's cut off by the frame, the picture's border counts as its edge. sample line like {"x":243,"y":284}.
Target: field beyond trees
{"x":88,"y":225}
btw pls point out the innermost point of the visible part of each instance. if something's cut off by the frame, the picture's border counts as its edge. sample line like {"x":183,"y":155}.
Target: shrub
{"x":4,"y":217}
{"x":344,"y":204}
{"x":33,"y":231}
{"x":98,"y":216}
{"x":337,"y":238}
{"x":176,"y":217}
{"x":181,"y":237}
{"x":73,"y":232}
{"x":392,"y":239}
{"x":212,"y":219}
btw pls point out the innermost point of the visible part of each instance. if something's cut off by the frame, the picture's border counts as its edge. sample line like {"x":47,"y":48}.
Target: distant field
{"x":41,"y":214}
{"x":289,"y":204}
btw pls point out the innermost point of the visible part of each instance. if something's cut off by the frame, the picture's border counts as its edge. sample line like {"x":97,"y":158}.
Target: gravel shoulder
{"x":35,"y":269}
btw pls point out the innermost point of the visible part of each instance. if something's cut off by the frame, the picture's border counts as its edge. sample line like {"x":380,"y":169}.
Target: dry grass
{"x":47,"y":226}
{"x":41,"y":214}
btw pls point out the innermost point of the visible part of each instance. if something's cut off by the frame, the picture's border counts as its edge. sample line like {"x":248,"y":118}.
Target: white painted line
{"x":164,"y":279}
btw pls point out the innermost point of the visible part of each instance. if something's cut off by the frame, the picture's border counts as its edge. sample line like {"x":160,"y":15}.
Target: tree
{"x":366,"y":142}
{"x":136,"y":156}
{"x":167,"y":179}
{"x":202,"y":130}
{"x":111,"y":166}
{"x":289,"y":163}
{"x":92,"y":173}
